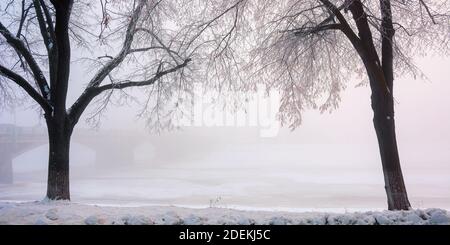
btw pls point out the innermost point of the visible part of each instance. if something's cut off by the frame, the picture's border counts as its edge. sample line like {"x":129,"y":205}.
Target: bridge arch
{"x":111,"y":147}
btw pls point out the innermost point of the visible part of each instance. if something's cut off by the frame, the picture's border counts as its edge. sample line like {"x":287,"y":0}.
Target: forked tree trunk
{"x":58,"y":162}
{"x":381,"y":76}
{"x":59,"y":128}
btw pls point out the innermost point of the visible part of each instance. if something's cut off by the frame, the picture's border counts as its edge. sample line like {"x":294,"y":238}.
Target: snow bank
{"x":53,"y":213}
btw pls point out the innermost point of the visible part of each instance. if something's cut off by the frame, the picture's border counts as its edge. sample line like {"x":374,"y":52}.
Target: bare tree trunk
{"x":58,"y":163}
{"x":384,"y":123}
{"x":381,"y":76}
{"x":58,"y":123}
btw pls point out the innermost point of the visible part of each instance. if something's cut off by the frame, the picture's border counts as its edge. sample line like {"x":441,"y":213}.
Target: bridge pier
{"x":6,"y":169}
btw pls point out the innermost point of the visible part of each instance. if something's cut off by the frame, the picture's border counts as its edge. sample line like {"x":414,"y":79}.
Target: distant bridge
{"x":107,"y":144}
{"x":117,"y":147}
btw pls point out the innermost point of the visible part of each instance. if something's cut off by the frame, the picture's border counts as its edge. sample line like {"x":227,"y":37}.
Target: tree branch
{"x":19,"y":80}
{"x":428,"y":11}
{"x":305,"y":31}
{"x":158,"y":75}
{"x":169,"y":51}
{"x":91,"y":92}
{"x":345,"y":27}
{"x":117,"y":60}
{"x":48,"y":18}
{"x":20,"y":47}
{"x":48,"y":35}
{"x":23,"y":16}
{"x":43,"y":26}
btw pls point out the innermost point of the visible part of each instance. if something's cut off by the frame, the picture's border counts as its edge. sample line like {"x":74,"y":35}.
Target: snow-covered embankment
{"x":71,"y":213}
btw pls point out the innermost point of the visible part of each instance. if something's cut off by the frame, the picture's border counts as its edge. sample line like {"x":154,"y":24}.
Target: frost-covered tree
{"x":136,"y":43}
{"x":308,"y":50}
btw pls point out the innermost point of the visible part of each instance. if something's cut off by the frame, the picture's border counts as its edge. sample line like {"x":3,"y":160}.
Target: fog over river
{"x":329,"y":162}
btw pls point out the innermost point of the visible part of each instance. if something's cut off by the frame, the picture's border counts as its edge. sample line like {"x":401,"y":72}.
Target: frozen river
{"x":263,"y":177}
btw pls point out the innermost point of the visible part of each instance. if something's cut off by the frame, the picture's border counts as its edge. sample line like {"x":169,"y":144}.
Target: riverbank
{"x":61,"y":213}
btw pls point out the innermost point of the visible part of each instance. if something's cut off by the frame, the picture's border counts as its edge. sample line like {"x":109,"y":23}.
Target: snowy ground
{"x":54,"y":213}
{"x":273,"y":183}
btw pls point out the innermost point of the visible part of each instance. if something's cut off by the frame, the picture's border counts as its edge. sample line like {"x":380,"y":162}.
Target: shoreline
{"x":65,"y":212}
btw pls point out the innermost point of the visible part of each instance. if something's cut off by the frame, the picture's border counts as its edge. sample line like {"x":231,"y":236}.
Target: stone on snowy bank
{"x":137,"y":220}
{"x":439,"y":218}
{"x":382,"y":220}
{"x":52,"y":214}
{"x":413,"y":218}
